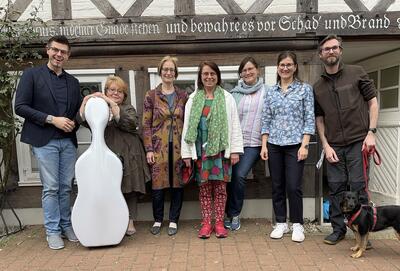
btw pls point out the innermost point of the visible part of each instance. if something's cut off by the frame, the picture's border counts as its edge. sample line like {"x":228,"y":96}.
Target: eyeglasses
{"x":287,"y":66}
{"x":328,"y":49}
{"x":171,"y":70}
{"x":206,"y":74}
{"x":111,"y":90}
{"x":57,"y":50}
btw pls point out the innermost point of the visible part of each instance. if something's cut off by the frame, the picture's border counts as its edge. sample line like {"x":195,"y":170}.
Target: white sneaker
{"x":279,"y":230}
{"x":298,"y":232}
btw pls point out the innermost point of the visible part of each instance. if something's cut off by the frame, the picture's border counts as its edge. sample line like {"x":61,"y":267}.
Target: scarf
{"x":243,"y":89}
{"x":217,"y":122}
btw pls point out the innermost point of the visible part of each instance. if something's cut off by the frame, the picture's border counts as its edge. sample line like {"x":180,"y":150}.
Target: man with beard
{"x":48,"y":98}
{"x":346,"y":111}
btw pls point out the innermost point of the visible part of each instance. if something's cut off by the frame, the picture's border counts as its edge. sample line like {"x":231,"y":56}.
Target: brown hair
{"x":292,"y":55}
{"x":165,"y":59}
{"x":213,"y":66}
{"x":327,"y":38}
{"x":113,"y":79}
{"x":245,"y":61}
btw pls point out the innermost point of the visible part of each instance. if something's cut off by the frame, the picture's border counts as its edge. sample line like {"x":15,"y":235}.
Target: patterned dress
{"x":213,"y":167}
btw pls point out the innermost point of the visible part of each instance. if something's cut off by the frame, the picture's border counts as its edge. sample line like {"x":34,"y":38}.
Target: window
{"x":387,"y":83}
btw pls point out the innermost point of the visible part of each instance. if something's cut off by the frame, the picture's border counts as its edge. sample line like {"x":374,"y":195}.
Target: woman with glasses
{"x":213,"y":139}
{"x":163,"y":112}
{"x":122,"y":137}
{"x":287,"y":124}
{"x":249,"y":96}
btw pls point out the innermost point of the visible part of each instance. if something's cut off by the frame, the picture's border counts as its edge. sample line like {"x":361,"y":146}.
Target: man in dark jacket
{"x":48,"y":98}
{"x":346,"y":111}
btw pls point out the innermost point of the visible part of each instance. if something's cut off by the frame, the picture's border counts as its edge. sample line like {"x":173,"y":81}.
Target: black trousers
{"x":347,"y":174}
{"x":287,"y":174}
{"x":176,"y":195}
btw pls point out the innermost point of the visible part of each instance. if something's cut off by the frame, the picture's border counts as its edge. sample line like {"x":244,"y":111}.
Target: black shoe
{"x":334,"y":238}
{"x":172,"y":231}
{"x":155,"y":230}
{"x":369,"y":245}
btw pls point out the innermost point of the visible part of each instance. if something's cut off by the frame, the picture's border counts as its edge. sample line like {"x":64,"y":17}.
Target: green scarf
{"x":217,"y":122}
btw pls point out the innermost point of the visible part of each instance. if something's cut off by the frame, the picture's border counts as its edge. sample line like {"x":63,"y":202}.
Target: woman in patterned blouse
{"x":287,"y":124}
{"x":163,"y":111}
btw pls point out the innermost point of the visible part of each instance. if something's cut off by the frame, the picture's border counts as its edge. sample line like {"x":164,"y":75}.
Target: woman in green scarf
{"x":212,"y":137}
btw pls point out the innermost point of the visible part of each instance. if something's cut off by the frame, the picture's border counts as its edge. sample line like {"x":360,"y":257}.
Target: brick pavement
{"x":248,"y":249}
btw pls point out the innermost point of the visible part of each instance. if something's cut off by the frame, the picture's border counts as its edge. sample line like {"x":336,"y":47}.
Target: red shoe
{"x":220,"y":230}
{"x":205,"y":231}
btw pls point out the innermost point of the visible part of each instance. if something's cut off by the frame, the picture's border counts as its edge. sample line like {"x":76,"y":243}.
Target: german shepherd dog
{"x":363,"y":219}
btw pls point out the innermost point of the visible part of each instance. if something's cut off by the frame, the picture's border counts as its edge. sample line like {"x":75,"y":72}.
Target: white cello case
{"x":100,"y":214}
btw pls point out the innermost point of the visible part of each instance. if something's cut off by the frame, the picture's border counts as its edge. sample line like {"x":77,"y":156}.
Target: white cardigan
{"x":235,"y":137}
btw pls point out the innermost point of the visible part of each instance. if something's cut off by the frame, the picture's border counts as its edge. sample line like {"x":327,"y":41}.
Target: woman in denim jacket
{"x":287,"y":124}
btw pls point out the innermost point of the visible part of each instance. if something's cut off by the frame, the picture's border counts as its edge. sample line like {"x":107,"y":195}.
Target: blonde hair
{"x":165,"y":59}
{"x":113,"y":79}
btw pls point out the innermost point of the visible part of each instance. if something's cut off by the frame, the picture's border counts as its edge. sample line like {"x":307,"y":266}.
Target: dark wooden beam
{"x":138,"y":8}
{"x":61,"y":9}
{"x":18,"y":8}
{"x":356,"y":5}
{"x":307,"y":6}
{"x":106,"y":8}
{"x":259,"y":6}
{"x":382,"y":5}
{"x":184,"y":7}
{"x":230,"y":6}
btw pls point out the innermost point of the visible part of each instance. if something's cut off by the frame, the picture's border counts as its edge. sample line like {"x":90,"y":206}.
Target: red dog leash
{"x":377,"y":160}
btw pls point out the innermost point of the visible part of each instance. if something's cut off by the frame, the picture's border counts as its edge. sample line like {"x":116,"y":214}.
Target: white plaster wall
{"x":122,"y":6}
{"x":325,"y":6}
{"x":85,"y":9}
{"x":208,"y":7}
{"x":281,"y":6}
{"x":160,"y":8}
{"x":44,"y":11}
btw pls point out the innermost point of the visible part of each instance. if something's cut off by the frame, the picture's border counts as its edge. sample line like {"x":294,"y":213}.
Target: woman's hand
{"x":302,"y":153}
{"x":234,"y":158}
{"x":264,"y":153}
{"x":85,"y":100}
{"x":187,"y":162}
{"x":150,"y":158}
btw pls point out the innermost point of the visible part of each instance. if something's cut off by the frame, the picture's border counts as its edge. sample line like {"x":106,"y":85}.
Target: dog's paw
{"x":356,"y":255}
{"x":355,"y":248}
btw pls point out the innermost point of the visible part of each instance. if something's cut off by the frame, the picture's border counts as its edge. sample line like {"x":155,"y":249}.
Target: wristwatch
{"x":372,"y":130}
{"x":49,"y":119}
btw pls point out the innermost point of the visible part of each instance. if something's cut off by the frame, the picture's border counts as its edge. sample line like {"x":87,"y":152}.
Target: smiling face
{"x":286,"y":69}
{"x":209,"y":78}
{"x":331,"y":52}
{"x":249,"y":74}
{"x":58,"y":55}
{"x":115,"y":93}
{"x":168,"y":72}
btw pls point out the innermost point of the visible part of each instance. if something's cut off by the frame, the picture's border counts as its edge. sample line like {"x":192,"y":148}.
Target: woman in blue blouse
{"x":287,"y":124}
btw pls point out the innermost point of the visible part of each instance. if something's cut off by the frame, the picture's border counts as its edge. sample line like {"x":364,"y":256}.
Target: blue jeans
{"x":237,"y":185}
{"x":56,"y":162}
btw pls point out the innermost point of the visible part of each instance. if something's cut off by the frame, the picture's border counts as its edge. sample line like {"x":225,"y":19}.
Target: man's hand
{"x":150,"y":158}
{"x":64,"y":124}
{"x":369,"y":142}
{"x":330,"y":154}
